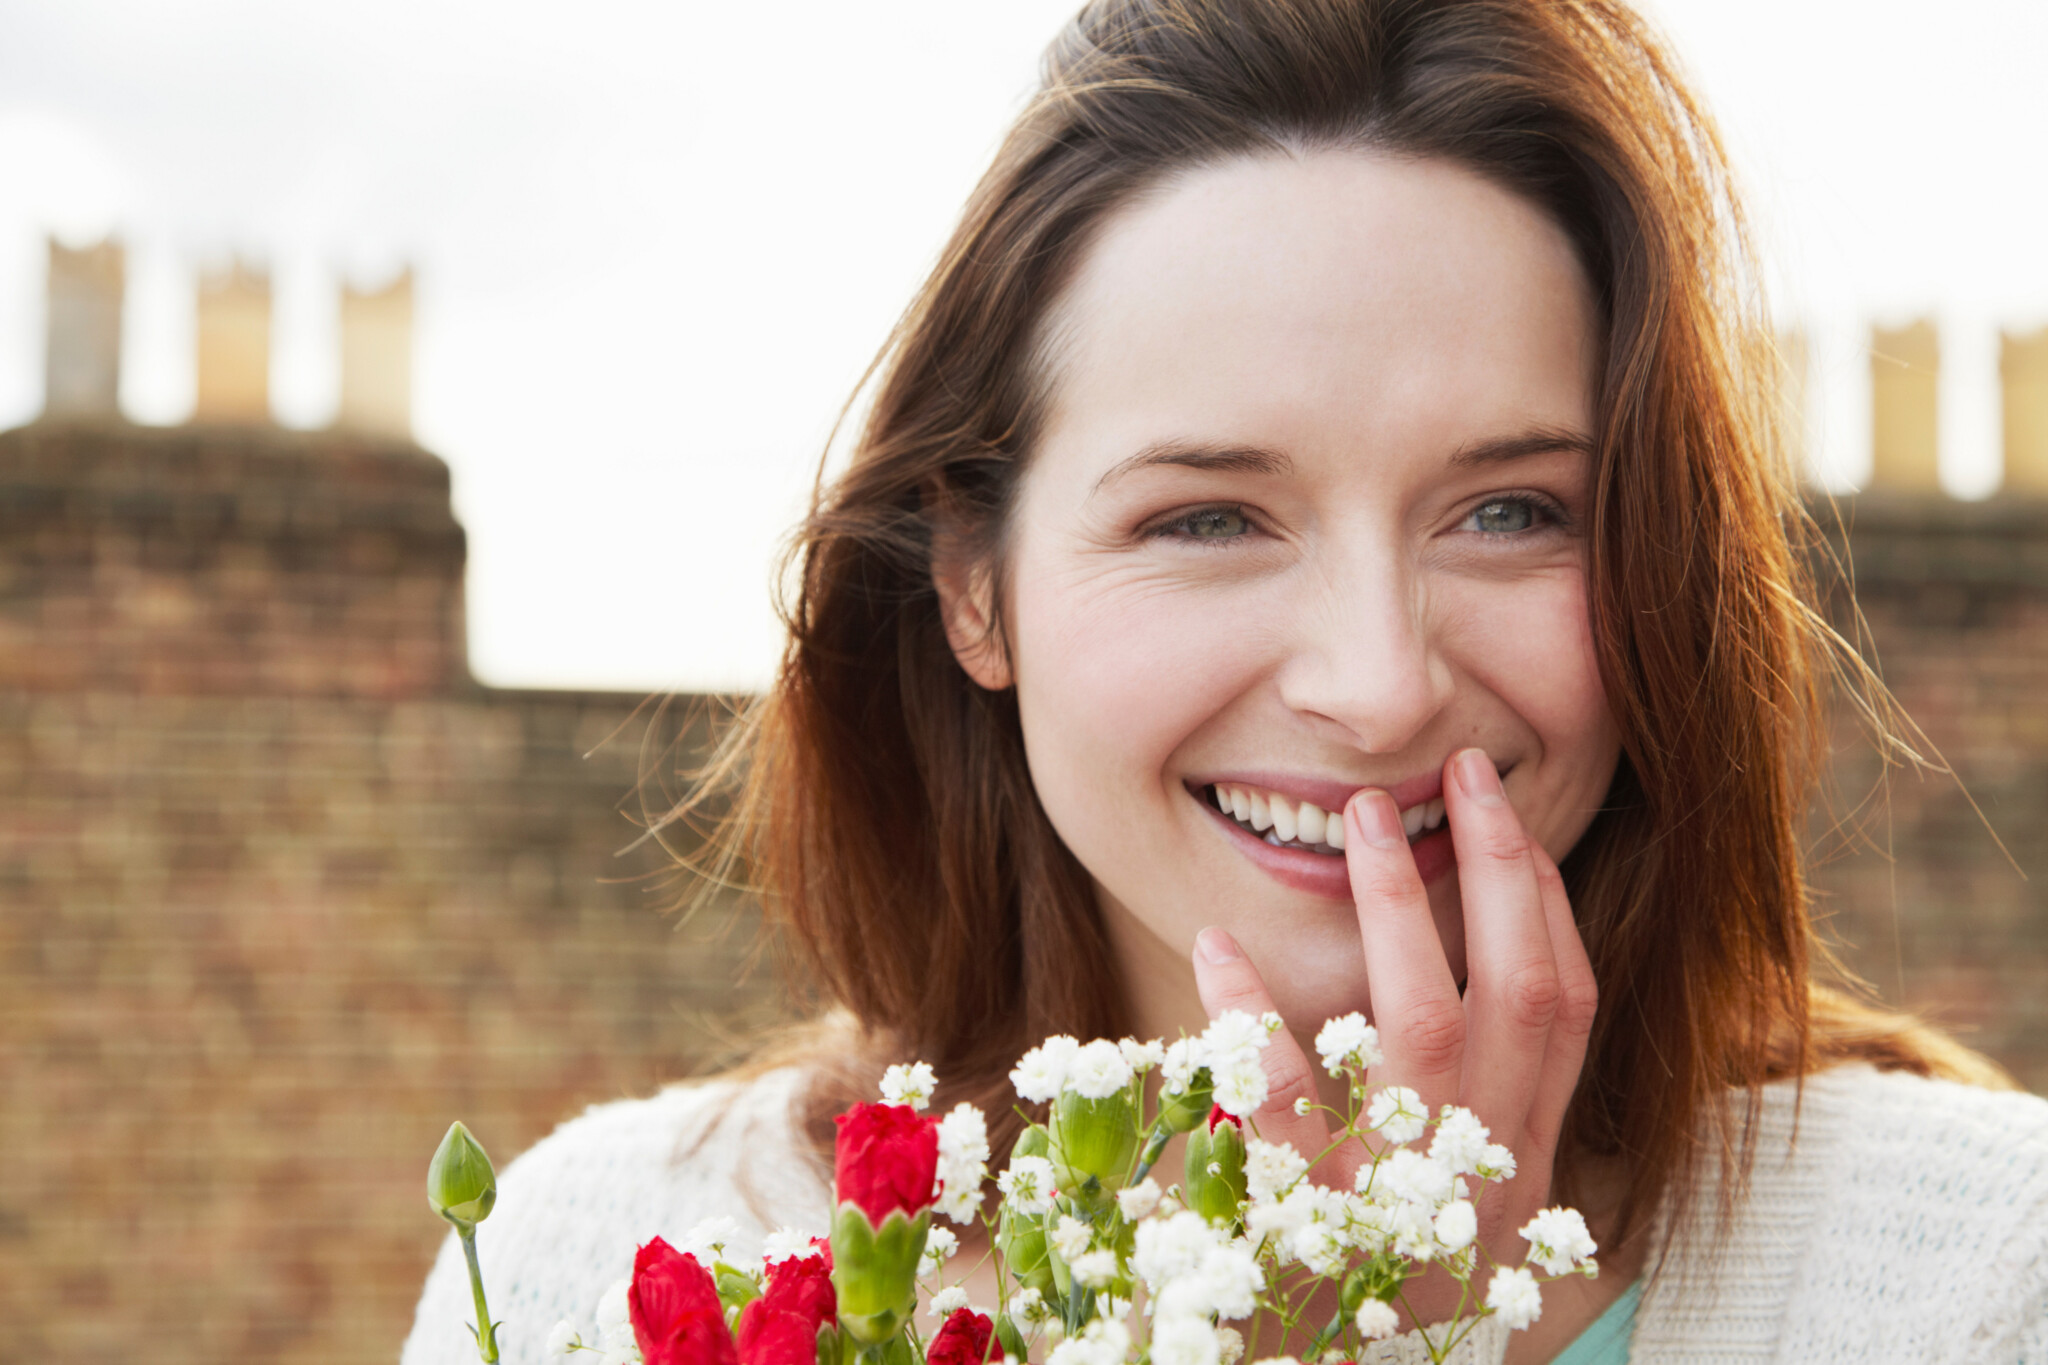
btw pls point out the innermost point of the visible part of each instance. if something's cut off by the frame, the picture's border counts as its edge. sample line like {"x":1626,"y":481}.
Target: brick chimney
{"x":83,"y":378}
{"x":234,"y":346}
{"x":1905,"y":375}
{"x":376,"y":360}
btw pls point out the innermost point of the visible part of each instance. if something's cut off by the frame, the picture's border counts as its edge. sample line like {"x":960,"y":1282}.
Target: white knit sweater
{"x":1907,"y":1222}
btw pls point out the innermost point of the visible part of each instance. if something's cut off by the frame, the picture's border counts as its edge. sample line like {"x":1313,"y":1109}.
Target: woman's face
{"x":1307,"y":515}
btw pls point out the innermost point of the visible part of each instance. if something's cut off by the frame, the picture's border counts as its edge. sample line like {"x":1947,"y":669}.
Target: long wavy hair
{"x":879,"y":801}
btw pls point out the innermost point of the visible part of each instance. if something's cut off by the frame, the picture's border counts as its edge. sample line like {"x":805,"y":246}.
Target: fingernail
{"x":1217,"y":947}
{"x":1477,"y":777}
{"x":1378,"y":819}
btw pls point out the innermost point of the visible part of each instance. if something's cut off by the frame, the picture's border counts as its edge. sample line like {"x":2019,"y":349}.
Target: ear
{"x":967,"y":594}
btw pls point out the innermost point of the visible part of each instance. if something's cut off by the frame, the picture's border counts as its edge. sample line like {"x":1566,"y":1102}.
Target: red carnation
{"x":966,"y":1338}
{"x":677,"y":1318}
{"x":1218,"y":1114}
{"x":781,"y":1327}
{"x":886,"y":1158}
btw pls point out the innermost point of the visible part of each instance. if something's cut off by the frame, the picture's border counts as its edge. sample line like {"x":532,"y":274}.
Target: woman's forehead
{"x":1332,"y":291}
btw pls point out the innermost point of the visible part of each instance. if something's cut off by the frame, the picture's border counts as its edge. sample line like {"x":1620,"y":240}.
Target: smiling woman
{"x":1319,"y":544}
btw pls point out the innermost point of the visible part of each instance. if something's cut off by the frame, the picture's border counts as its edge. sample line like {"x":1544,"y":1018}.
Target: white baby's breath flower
{"x":1105,"y":1341}
{"x":786,"y":1242}
{"x":1411,"y":1231}
{"x":1136,"y":1201}
{"x":910,"y":1084}
{"x":1302,"y":1107}
{"x":1094,"y":1269}
{"x":1185,"y":1341}
{"x":1184,"y":1057}
{"x":615,"y":1323}
{"x":1070,"y":1237}
{"x":1098,"y":1070}
{"x":1142,"y":1056}
{"x":939,"y":1244}
{"x":1230,"y":1345}
{"x":1397,"y":1114}
{"x":949,"y":1301}
{"x":1271,"y":1168}
{"x":1460,"y":1140}
{"x":1042,"y":1072}
{"x":1348,"y":1043}
{"x":1169,"y":1248}
{"x":1318,"y":1246}
{"x":1224,"y":1282}
{"x":1241,"y":1085}
{"x":1277,"y":1360}
{"x":563,"y":1340}
{"x":1498,"y":1163}
{"x":1282,"y":1218}
{"x":1407,"y":1174}
{"x":1457,"y":1223}
{"x":1234,"y":1031}
{"x":1558,"y":1240}
{"x":1027,"y":1185}
{"x":1110,"y":1306}
{"x":963,"y":1163}
{"x":1515,"y":1296}
{"x":1376,"y":1320}
{"x":711,"y":1234}
{"x":1029,"y":1306}
{"x":1271,"y":1021}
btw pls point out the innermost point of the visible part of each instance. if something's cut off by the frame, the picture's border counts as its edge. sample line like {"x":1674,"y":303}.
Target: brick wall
{"x":1956,"y":598}
{"x":282,"y":891}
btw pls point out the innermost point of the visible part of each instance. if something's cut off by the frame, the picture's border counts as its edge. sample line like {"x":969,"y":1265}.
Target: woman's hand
{"x":1509,"y":1049}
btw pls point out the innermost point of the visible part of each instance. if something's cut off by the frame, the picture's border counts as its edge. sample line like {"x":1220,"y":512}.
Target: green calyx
{"x":1092,"y":1138}
{"x":1020,"y":1240}
{"x":461,"y":1186}
{"x":1183,"y":1113}
{"x":874,"y":1271}
{"x":1214,"y":1184}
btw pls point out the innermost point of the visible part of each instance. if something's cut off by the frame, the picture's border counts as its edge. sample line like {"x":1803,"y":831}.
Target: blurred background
{"x":394,"y":395}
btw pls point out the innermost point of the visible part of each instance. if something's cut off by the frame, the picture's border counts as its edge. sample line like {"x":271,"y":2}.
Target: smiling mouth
{"x":1303,"y":825}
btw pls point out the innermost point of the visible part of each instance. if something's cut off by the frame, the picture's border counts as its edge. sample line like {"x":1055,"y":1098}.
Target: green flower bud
{"x":1215,"y":1182}
{"x":1379,"y":1278}
{"x":736,"y":1288}
{"x":1092,"y":1138}
{"x":1183,"y":1113}
{"x":874,"y":1271}
{"x":1012,"y":1339}
{"x":1034,"y":1141}
{"x":461,"y":1186}
{"x":1021,"y":1242}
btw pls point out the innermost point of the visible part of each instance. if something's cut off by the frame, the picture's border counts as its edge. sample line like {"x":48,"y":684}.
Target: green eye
{"x":1219,"y":523}
{"x":1505,"y":516}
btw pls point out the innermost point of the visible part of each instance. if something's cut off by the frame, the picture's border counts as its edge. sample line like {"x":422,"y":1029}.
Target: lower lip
{"x":1321,"y":874}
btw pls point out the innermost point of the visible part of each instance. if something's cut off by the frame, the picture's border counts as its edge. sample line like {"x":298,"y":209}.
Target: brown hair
{"x":882,"y":803}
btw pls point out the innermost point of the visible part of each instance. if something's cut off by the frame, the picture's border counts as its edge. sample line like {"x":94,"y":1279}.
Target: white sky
{"x":659,"y":242}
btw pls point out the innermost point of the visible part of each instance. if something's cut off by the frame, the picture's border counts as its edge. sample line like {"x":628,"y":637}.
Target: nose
{"x":1363,"y":656}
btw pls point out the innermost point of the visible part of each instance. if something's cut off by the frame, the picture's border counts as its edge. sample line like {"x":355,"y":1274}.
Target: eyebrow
{"x":1535,"y":441}
{"x":1235,"y":459}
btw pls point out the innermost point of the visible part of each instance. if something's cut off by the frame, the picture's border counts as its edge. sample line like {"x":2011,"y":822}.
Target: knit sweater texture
{"x":1890,"y":1218}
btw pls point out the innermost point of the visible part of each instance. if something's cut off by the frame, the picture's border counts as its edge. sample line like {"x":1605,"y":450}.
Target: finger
{"x":1227,"y":980}
{"x":1415,"y":1002}
{"x":1577,"y":1004}
{"x":1511,"y":989}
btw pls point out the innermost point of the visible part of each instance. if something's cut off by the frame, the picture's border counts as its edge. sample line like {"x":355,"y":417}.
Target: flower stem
{"x":485,"y":1331}
{"x":1154,"y":1145}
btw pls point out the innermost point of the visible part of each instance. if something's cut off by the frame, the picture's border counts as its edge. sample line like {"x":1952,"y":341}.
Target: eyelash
{"x":1548,"y":510}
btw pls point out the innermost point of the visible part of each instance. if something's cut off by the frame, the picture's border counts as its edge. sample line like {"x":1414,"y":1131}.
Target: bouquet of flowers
{"x":1095,"y":1262}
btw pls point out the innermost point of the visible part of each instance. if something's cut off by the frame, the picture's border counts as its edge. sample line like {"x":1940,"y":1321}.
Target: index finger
{"x":1415,"y":1002}
{"x":1227,"y":980}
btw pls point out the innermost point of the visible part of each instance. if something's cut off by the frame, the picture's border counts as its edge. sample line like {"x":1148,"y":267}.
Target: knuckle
{"x":1433,"y":1035}
{"x":1578,"y":1001}
{"x":1531,"y":996}
{"x":1505,"y":845}
{"x":1287,"y":1080}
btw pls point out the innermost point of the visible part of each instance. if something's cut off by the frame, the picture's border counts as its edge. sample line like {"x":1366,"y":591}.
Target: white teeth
{"x":1261,"y":817}
{"x":1284,"y":822}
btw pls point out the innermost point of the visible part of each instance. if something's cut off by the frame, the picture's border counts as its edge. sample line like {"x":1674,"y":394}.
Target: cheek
{"x":1112,"y":675}
{"x":1533,"y":649}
